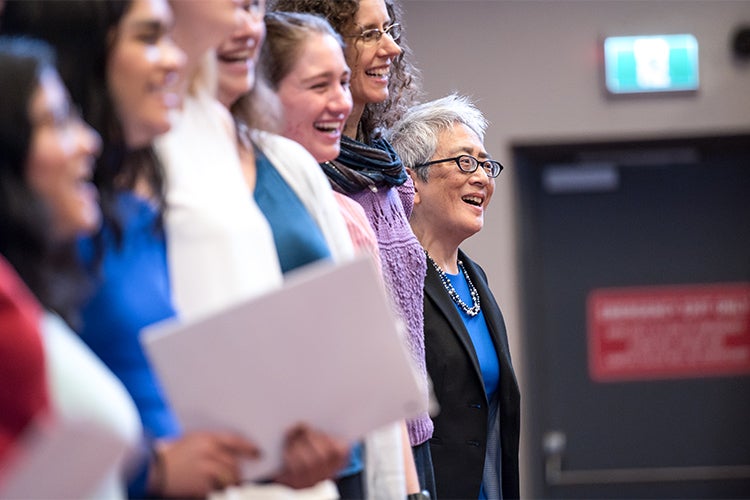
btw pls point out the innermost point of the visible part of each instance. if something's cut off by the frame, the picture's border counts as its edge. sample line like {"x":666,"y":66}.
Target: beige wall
{"x":534,"y":67}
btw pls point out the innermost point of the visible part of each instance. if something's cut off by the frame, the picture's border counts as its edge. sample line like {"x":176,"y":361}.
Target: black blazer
{"x":459,"y":442}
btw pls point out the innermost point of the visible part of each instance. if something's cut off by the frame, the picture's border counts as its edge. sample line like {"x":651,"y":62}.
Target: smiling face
{"x":370,"y":62}
{"x":315,"y":97}
{"x":238,"y":54}
{"x":142,"y":71}
{"x":201,"y":25}
{"x":450,"y":206}
{"x":61,"y":160}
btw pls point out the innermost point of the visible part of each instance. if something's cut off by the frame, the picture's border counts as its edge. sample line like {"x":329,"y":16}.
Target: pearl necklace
{"x":471,"y":311}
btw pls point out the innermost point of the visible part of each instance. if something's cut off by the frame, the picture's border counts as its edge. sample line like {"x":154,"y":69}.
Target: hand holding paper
{"x":323,"y":350}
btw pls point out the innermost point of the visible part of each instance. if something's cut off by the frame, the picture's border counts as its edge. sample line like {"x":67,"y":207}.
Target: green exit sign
{"x":651,"y":64}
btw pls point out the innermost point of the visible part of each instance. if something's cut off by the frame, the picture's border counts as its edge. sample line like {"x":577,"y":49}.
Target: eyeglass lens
{"x":375,"y":34}
{"x":469,"y":164}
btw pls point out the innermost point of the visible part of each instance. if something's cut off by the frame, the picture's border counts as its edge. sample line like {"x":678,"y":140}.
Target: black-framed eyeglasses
{"x":373,"y":35}
{"x":469,"y":164}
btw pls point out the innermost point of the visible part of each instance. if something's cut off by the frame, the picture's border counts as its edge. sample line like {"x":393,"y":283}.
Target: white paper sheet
{"x":325,"y":350}
{"x":71,"y":459}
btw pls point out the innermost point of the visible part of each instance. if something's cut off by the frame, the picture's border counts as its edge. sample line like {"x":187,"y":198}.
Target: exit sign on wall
{"x":668,"y":332}
{"x":651,"y":64}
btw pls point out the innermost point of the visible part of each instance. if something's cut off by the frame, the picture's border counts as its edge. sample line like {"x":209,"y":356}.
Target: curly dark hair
{"x":403,"y":83}
{"x":49,"y":268}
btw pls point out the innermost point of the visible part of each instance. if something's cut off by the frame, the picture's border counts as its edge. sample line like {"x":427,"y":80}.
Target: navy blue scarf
{"x":360,"y":166}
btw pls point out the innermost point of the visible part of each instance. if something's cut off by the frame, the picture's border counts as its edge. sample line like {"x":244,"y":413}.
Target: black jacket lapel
{"x":492,"y":316}
{"x":435,"y":291}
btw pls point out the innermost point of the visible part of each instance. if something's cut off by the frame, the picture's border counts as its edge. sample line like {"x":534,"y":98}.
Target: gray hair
{"x":415,"y":136}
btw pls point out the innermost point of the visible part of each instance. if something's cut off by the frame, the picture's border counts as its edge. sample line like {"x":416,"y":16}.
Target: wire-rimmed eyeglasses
{"x":469,"y":164}
{"x":373,"y":35}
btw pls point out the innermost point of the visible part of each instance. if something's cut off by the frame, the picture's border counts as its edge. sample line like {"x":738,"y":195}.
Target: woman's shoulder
{"x":292,"y":160}
{"x":134,"y":213}
{"x":351,"y":206}
{"x":20,"y":314}
{"x":354,"y":215}
{"x":277,"y":144}
{"x":81,"y":385}
{"x":131,"y":205}
{"x":14,"y":295}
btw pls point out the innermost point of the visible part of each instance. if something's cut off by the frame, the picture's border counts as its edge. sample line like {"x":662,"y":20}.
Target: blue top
{"x":134,"y":293}
{"x":489,"y":363}
{"x":299,"y":240}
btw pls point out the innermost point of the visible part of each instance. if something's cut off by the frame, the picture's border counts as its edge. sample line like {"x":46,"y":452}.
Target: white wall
{"x":534,"y":67}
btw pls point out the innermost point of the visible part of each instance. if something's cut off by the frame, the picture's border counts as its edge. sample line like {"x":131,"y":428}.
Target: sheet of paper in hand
{"x":325,"y":349}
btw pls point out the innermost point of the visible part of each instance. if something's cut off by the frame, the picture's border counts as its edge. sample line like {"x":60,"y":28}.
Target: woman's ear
{"x":414,"y":181}
{"x":408,"y":171}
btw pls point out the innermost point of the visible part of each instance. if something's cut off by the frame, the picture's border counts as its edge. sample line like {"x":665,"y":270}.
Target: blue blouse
{"x":132,"y":293}
{"x":489,"y":362}
{"x":298,"y":238}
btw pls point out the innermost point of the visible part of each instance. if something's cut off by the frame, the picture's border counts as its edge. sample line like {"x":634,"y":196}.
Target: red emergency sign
{"x":644,"y":333}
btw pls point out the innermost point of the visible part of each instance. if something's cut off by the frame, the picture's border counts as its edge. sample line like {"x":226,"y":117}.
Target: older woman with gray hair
{"x":475,"y":443}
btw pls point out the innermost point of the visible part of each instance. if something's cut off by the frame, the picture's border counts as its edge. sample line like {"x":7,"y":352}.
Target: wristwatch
{"x":422,"y":495}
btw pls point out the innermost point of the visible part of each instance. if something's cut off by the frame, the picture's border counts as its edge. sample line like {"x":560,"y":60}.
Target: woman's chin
{"x":323,"y":154}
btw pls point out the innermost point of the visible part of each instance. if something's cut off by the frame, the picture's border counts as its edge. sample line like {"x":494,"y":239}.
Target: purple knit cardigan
{"x":404,"y":270}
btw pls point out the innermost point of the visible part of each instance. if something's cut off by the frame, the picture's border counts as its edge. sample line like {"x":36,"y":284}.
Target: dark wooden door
{"x":636,"y":306}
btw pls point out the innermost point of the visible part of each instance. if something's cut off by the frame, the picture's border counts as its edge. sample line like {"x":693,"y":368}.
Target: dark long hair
{"x":49,"y":268}
{"x":83,"y":33}
{"x":402,"y":84}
